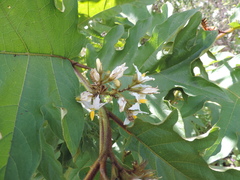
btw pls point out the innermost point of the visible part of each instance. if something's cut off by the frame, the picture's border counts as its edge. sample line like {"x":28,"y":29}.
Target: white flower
{"x":132,"y":115}
{"x":117,"y":72}
{"x":134,"y":110}
{"x":92,"y":106}
{"x":141,"y":78}
{"x":144,"y":89}
{"x":134,"y":107}
{"x":94,"y":75}
{"x":122,"y":103}
{"x":141,"y":98}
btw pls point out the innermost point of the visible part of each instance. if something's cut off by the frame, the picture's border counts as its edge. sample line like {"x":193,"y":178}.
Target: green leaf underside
{"x":36,"y":82}
{"x":31,"y":82}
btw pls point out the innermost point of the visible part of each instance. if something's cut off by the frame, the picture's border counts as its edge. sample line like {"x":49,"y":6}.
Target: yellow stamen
{"x":92,"y":114}
{"x":134,"y":116}
{"x":78,"y":98}
{"x":142,"y":100}
{"x":143,"y":74}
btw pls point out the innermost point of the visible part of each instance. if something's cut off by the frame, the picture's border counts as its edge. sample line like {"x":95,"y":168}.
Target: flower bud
{"x":144,"y":89}
{"x":95,"y":77}
{"x":99,"y":65}
{"x":117,"y":83}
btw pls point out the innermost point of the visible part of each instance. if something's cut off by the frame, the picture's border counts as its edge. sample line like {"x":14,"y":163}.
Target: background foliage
{"x":193,"y":122}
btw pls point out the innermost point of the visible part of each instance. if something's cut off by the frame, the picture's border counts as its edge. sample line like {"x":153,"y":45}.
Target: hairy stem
{"x":105,"y":147}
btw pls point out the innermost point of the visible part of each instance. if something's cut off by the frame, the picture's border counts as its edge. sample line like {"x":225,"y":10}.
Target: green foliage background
{"x":46,"y":134}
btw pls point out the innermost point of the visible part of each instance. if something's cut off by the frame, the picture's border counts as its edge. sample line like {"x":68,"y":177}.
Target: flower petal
{"x":96,"y":103}
{"x":141,"y":98}
{"x":117,"y":72}
{"x":126,"y":121}
{"x":86,"y":96}
{"x":122,"y":103}
{"x":134,"y":107}
{"x":141,"y":78}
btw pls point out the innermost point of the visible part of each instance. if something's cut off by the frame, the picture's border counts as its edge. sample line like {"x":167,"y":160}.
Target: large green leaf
{"x":37,"y":82}
{"x":170,"y":155}
{"x":176,"y":71}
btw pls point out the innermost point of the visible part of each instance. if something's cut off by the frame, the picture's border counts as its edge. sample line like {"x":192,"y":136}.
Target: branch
{"x":103,"y":170}
{"x":117,"y":120}
{"x":223,"y":33}
{"x":93,"y":170}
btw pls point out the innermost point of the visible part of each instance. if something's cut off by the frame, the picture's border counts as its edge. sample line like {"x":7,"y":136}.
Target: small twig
{"x":74,"y":63}
{"x":223,"y":33}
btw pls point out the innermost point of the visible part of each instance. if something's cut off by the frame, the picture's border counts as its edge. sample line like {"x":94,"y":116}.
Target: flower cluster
{"x":92,"y":100}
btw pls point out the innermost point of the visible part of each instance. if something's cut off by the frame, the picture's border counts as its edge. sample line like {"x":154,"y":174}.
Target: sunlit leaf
{"x":171,"y":156}
{"x":228,"y":122}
